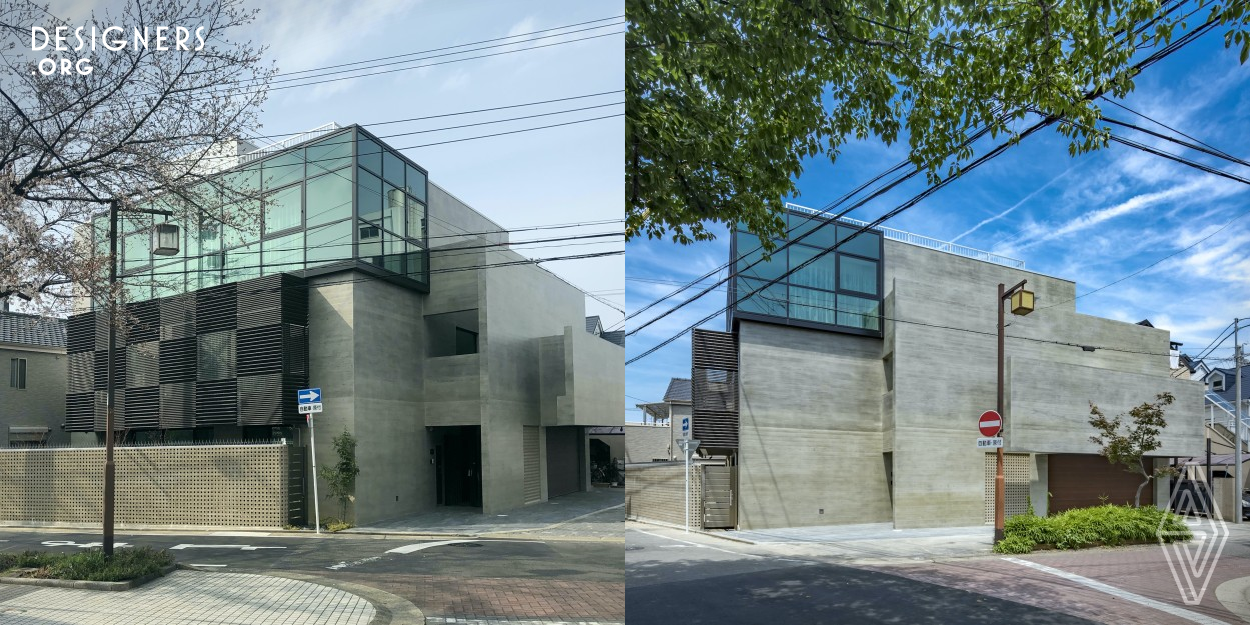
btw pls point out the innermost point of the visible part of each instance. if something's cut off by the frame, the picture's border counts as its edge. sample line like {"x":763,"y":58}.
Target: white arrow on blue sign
{"x":309,"y":396}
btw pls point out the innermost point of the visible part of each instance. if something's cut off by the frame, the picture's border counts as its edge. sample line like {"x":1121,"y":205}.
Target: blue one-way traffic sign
{"x":309,"y":400}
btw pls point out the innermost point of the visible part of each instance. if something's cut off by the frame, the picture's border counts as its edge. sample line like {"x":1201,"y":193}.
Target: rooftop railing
{"x":895,"y":234}
{"x":278,"y":146}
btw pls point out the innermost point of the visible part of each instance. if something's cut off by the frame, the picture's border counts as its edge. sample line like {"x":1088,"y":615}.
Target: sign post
{"x":688,"y":445}
{"x":991,"y":425}
{"x":310,"y":404}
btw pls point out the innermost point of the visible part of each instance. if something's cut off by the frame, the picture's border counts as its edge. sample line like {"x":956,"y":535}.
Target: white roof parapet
{"x":283,"y":144}
{"x":895,"y":234}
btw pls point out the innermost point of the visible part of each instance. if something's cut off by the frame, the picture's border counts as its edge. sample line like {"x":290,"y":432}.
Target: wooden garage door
{"x":533,"y":472}
{"x":1079,"y":480}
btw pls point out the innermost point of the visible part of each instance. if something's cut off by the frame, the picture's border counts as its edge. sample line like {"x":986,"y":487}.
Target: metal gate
{"x":296,"y":494}
{"x":720,"y":508}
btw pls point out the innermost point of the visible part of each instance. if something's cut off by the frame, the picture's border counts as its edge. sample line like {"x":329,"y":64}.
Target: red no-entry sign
{"x":990,"y":423}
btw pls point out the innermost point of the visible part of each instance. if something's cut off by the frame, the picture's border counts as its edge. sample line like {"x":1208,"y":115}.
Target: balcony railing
{"x":921,"y":240}
{"x":278,"y":146}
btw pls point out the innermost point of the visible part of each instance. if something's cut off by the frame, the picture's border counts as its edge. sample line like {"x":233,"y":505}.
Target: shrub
{"x":332,"y":524}
{"x":1088,"y":527}
{"x":90,"y":565}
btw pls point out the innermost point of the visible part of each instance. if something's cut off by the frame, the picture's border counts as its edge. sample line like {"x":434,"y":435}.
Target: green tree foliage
{"x":1127,"y":445}
{"x":341,"y":477}
{"x":725,"y":98}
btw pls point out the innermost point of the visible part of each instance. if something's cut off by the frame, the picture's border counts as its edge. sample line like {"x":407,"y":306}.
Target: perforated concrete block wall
{"x":1017,"y":475}
{"x":217,"y":485}
{"x":655,"y":492}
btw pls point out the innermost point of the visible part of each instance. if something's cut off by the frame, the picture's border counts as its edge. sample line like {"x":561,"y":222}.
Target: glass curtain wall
{"x":841,"y":288}
{"x":341,"y":197}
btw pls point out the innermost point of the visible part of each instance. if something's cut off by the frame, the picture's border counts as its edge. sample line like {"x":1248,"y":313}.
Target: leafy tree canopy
{"x":725,"y":98}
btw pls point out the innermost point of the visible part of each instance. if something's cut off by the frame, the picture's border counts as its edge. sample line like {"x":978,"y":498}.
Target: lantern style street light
{"x":1021,"y":304}
{"x":164,"y":243}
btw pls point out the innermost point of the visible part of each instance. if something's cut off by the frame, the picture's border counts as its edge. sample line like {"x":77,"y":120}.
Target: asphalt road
{"x":672,"y":580}
{"x":461,"y":578}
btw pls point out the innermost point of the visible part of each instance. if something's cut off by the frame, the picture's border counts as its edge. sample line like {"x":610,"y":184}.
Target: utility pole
{"x":1239,"y":478}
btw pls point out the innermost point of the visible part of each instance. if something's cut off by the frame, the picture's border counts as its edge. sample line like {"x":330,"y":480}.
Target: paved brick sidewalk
{"x":187,"y":598}
{"x":488,"y":598}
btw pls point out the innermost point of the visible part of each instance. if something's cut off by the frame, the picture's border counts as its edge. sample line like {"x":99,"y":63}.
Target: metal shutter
{"x":533,"y":466}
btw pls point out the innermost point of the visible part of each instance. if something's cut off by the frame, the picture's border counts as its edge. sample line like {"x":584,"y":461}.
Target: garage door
{"x":563,"y":461}
{"x":533,"y":477}
{"x":1080,"y":481}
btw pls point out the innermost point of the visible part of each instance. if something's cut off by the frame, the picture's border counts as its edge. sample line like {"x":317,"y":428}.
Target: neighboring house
{"x":849,"y":391}
{"x":468,"y":375}
{"x":1223,"y":382}
{"x":645,"y":445}
{"x":32,"y":391}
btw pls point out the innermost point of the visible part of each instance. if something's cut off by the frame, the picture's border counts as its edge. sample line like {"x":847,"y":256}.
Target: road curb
{"x":673,"y":526}
{"x":80,"y":584}
{"x":390,"y":609}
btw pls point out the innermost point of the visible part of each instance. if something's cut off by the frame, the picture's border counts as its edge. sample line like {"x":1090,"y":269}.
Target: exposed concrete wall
{"x":647,"y":443}
{"x":1043,"y":420}
{"x":332,"y":367}
{"x":657,"y":493}
{"x":583,"y":379}
{"x":202,"y":485}
{"x":450,"y":216}
{"x":42,"y":402}
{"x":945,"y":378}
{"x":810,"y":433}
{"x":396,"y":477}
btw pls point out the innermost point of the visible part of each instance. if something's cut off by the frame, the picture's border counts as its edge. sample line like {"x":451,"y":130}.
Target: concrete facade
{"x":883,"y":429}
{"x":371,"y":351}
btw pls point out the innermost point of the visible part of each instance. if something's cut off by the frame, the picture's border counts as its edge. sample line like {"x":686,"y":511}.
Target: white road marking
{"x":736,"y":553}
{"x":70,"y":543}
{"x":209,"y":565}
{"x":344,"y":565}
{"x":1123,"y":594}
{"x":240,"y":547}
{"x":439,"y":543}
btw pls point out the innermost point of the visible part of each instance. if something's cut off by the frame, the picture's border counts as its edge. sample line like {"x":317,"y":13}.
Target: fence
{"x":156,"y":486}
{"x":654,"y":492}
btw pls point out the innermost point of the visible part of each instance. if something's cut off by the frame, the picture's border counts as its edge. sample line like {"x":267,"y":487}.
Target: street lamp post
{"x":161,"y":245}
{"x":1021,"y":304}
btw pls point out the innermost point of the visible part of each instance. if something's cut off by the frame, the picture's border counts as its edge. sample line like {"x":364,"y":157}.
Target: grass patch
{"x":91,"y":565}
{"x":1079,"y":528}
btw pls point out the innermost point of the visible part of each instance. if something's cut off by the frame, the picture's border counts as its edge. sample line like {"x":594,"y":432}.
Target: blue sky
{"x":571,"y":174}
{"x":1093,"y":219}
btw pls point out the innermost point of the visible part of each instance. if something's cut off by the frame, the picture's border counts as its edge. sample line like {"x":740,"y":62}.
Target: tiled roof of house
{"x":593,"y":323}
{"x":678,"y":390}
{"x":1230,"y":383}
{"x":616,"y":336}
{"x":21,"y":329}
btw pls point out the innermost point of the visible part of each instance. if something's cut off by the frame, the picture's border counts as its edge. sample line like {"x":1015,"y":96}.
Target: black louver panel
{"x":102,"y":368}
{"x":260,"y":302}
{"x":80,"y":412}
{"x":143,"y":407}
{"x":178,"y":357}
{"x":216,"y":309}
{"x":80,"y":333}
{"x":178,"y":405}
{"x":260,"y":399}
{"x":143,"y":364}
{"x":714,"y":389}
{"x":81,"y":377}
{"x":259,"y":350}
{"x":216,"y":403}
{"x":119,"y":410}
{"x":178,"y":317}
{"x":143,"y":321}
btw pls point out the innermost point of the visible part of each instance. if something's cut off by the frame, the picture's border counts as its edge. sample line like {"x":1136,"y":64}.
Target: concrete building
{"x":849,"y":391}
{"x":463,"y":370}
{"x":32,"y":397}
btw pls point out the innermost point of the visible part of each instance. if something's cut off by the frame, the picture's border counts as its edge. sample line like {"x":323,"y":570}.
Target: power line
{"x":1046,"y":121}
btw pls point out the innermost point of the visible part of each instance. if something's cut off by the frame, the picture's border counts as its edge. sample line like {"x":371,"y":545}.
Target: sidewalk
{"x":598,"y":514}
{"x":187,"y":597}
{"x":870,"y":542}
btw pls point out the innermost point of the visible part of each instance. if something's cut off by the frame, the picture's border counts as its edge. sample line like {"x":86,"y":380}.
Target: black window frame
{"x":17,"y":373}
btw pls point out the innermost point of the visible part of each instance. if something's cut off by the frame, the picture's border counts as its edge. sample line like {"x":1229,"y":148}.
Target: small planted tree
{"x":341,"y":476}
{"x":1127,"y":445}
